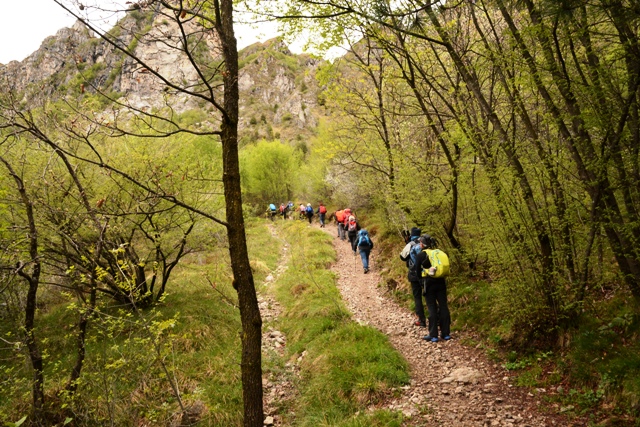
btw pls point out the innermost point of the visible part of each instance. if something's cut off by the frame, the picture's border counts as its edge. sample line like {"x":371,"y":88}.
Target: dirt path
{"x":451,"y":384}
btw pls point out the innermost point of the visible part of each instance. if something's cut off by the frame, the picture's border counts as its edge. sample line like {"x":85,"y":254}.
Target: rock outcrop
{"x":279,"y":92}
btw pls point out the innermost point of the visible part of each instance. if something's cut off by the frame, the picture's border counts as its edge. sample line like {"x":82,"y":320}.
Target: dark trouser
{"x":309,"y":215}
{"x":341,"y":232}
{"x":436,"y":296}
{"x":321,"y":219}
{"x":352,"y":240}
{"x":416,"y":288}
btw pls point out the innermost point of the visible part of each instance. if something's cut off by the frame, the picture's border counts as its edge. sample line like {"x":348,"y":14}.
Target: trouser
{"x":309,"y":216}
{"x":341,"y":232}
{"x":416,"y":289}
{"x":364,"y":255}
{"x":436,"y":296}
{"x":352,"y":240}
{"x":321,"y":216}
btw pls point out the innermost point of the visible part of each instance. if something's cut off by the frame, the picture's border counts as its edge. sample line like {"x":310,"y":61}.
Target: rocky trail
{"x":452,"y":384}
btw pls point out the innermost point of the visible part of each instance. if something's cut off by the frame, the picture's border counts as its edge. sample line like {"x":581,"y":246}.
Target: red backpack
{"x":352,"y":225}
{"x":322,"y":209}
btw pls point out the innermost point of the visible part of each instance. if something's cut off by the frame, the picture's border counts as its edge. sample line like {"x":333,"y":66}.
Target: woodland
{"x":132,"y":240}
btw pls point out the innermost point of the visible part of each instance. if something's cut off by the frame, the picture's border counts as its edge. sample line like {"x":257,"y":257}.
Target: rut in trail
{"x":277,"y":386}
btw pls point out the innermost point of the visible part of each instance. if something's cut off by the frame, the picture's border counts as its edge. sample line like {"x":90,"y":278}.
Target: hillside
{"x":278,"y":89}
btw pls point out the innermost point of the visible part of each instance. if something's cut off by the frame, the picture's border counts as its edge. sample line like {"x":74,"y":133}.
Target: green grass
{"x":346,"y":367}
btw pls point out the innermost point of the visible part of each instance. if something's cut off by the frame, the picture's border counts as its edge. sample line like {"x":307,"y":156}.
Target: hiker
{"x":290,"y":208}
{"x":309,"y":212}
{"x":409,"y":257}
{"x":435,"y":290}
{"x":339,"y":215}
{"x":364,"y":245}
{"x":322,"y":212}
{"x":352,"y":232}
{"x":345,"y":220}
{"x":302,"y":211}
{"x":284,"y":209}
{"x":272,"y":211}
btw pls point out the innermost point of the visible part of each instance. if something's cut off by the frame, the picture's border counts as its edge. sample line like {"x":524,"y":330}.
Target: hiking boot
{"x":366,"y":270}
{"x":420,"y":323}
{"x":430,"y":338}
{"x":446,"y":337}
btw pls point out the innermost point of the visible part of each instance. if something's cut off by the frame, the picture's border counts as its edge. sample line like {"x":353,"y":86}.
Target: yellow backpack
{"x":439,"y":264}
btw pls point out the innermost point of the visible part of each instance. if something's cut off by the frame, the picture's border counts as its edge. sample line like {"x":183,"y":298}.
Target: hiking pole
{"x":354,"y":262}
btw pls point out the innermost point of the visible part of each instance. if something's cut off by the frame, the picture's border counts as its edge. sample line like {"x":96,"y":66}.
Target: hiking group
{"x":427,"y":265}
{"x":428,"y":268}
{"x":304,"y":212}
{"x":358,"y":237}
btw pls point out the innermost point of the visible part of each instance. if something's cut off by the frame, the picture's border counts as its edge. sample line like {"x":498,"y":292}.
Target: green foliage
{"x":604,"y":358}
{"x":113,"y":74}
{"x":84,"y":77}
{"x":267,"y":170}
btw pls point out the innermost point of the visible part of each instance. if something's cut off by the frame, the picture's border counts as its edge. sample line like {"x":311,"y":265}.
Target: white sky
{"x":24,"y":24}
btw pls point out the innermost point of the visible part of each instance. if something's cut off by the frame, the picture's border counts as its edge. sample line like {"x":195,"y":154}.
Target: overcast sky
{"x":24,"y":24}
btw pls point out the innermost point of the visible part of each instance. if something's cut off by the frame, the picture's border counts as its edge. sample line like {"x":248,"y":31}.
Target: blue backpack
{"x":363,"y":239}
{"x":413,"y":253}
{"x":272,"y":207}
{"x":309,"y":209}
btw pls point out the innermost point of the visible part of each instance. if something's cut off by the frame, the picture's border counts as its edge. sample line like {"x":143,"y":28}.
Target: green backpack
{"x":440,"y":261}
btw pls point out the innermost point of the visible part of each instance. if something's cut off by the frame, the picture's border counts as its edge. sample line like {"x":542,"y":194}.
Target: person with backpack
{"x":322,"y":212}
{"x":309,"y":212}
{"x":284,"y":209}
{"x":352,"y":232}
{"x":433,"y":266}
{"x":364,"y":245}
{"x":302,"y":211}
{"x":272,"y":211}
{"x":409,"y":257}
{"x":340,"y":221}
{"x":345,"y":221}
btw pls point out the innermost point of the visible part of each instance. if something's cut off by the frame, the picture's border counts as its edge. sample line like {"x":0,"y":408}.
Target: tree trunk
{"x":251,"y":364}
{"x":33,"y":280}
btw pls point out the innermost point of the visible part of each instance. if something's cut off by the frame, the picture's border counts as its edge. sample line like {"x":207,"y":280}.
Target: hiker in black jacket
{"x":435,"y":290}
{"x":416,"y":282}
{"x":352,"y":228}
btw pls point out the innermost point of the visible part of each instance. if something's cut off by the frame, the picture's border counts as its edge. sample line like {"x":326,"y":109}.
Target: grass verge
{"x":345,"y":368}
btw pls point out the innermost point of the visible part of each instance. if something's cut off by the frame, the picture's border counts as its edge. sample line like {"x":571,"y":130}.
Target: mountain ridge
{"x":278,"y":89}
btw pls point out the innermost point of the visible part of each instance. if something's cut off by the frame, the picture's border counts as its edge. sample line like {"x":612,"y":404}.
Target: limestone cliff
{"x":279,"y":92}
